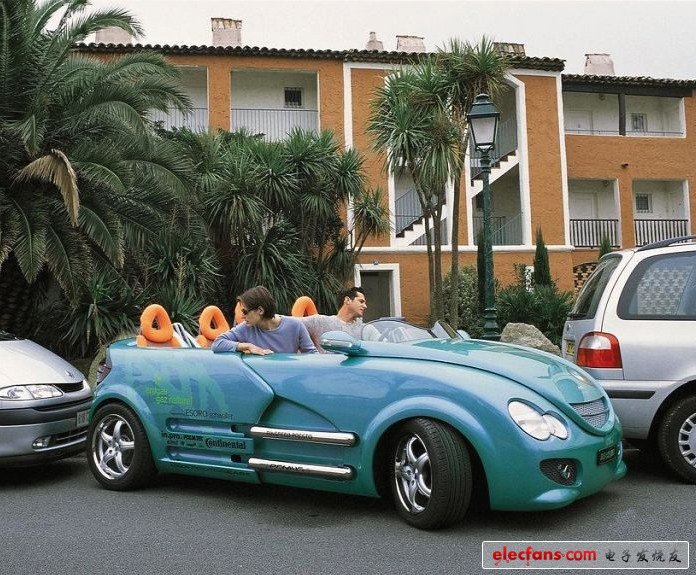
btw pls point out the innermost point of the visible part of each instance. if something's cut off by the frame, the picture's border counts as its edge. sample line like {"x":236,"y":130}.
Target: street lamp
{"x":483,"y":119}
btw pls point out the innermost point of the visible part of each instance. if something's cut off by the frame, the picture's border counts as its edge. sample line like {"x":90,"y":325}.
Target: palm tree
{"x":409,"y":119}
{"x":470,"y":70}
{"x":82,"y":175}
{"x":272,"y":210}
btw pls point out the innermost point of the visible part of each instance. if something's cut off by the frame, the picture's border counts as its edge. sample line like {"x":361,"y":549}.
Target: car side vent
{"x":595,"y":412}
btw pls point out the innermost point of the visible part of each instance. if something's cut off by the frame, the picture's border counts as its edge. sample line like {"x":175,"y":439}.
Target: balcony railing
{"x":648,"y":231}
{"x":274,"y":124}
{"x":505,"y":143}
{"x":505,"y":230}
{"x":588,"y":233}
{"x":195,"y":120}
{"x":645,"y":134}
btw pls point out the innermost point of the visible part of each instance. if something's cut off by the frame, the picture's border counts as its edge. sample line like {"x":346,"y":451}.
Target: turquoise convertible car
{"x":422,"y":414}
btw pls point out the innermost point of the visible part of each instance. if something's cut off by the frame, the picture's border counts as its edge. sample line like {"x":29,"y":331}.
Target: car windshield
{"x":586,"y":305}
{"x":399,"y":331}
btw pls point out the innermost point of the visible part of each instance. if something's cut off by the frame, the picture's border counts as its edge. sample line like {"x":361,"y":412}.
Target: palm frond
{"x":105,"y":231}
{"x":55,"y":168}
{"x":30,"y":246}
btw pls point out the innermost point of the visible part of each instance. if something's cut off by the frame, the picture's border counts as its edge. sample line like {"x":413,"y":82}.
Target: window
{"x":639,"y":122}
{"x":478,"y":200}
{"x":644,"y":204}
{"x":293,"y":97}
{"x":588,"y":299}
{"x":661,"y":287}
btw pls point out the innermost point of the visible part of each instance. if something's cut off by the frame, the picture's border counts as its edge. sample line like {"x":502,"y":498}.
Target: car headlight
{"x":23,"y":392}
{"x":540,"y":426}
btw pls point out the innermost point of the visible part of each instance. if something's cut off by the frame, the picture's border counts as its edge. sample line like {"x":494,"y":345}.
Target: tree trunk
{"x":431,"y":268}
{"x":454,"y":266}
{"x":437,"y":264}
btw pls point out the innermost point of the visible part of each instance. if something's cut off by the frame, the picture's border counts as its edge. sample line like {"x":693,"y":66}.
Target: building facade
{"x":579,"y":156}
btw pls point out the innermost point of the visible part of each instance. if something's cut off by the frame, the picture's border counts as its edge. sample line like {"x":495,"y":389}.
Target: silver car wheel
{"x":687,"y":440}
{"x":112,"y":446}
{"x":412,"y":474}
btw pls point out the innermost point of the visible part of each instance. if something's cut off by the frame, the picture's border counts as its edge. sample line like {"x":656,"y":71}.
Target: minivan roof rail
{"x":665,"y":243}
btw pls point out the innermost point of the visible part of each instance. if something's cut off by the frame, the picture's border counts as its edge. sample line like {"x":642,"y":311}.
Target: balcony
{"x":274,"y":124}
{"x":649,"y":231}
{"x":196,"y":120}
{"x":604,"y":114}
{"x":588,"y":232}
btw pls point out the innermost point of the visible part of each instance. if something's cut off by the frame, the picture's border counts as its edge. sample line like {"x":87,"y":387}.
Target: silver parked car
{"x":633,"y":328}
{"x":44,"y":404}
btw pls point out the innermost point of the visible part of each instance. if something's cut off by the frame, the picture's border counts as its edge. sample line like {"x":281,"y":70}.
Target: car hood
{"x":553,"y":378}
{"x":24,"y":362}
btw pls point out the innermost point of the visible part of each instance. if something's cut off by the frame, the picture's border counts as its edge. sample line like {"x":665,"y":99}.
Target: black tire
{"x":430,"y":474}
{"x":118,"y":451}
{"x":676,"y":439}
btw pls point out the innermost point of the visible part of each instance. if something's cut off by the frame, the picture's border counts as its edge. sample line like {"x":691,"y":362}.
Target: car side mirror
{"x":341,"y":342}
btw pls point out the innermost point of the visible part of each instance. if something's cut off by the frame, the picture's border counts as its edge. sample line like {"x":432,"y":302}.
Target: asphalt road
{"x":57,"y":520}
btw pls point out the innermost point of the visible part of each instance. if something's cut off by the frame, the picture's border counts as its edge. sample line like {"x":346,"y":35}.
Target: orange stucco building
{"x":582,"y":157}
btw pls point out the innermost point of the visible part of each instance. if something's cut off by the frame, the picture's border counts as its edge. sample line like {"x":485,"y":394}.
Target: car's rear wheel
{"x":117,"y":449}
{"x":430,"y":474}
{"x":676,"y":439}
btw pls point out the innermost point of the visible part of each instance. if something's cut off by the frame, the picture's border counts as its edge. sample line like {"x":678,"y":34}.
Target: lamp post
{"x":483,"y":120}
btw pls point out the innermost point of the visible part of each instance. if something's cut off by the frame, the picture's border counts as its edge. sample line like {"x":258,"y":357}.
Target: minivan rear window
{"x":588,"y":299}
{"x":661,"y":287}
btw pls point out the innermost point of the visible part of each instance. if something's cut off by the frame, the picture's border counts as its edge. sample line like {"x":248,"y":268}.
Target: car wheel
{"x":118,"y":451}
{"x":431,"y":477}
{"x":676,"y":439}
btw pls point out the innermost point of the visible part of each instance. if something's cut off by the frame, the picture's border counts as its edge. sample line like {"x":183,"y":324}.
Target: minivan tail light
{"x":599,"y":350}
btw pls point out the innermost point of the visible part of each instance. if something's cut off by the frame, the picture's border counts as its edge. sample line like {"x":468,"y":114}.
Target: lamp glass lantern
{"x":483,"y":119}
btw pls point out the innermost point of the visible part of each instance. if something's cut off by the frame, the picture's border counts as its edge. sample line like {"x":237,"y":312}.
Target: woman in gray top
{"x":263,"y":331}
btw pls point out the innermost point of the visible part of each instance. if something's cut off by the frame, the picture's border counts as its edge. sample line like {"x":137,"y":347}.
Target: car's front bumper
{"x":525,"y":487}
{"x":20,"y":428}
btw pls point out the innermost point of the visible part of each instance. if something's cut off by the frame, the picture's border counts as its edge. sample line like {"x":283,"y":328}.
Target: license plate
{"x":82,"y":418}
{"x":570,"y":347}
{"x":607,"y":455}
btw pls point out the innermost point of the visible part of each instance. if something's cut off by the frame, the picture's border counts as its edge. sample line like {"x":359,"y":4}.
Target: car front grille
{"x":68,"y":387}
{"x":595,"y":412}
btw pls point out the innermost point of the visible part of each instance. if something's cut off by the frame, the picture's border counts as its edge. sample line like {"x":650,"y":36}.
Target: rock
{"x":529,"y":336}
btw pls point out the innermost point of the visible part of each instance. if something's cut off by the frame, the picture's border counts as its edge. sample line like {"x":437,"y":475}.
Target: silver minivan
{"x":44,"y":404}
{"x":633,"y":328}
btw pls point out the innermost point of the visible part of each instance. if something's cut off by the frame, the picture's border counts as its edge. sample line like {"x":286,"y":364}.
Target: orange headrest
{"x":303,"y":307}
{"x":156,"y":327}
{"x":212,"y":322}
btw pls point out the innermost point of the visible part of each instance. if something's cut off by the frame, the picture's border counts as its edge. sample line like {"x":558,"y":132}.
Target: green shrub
{"x":543,"y":306}
{"x":470,"y":312}
{"x":542,"y":269}
{"x":604,"y":247}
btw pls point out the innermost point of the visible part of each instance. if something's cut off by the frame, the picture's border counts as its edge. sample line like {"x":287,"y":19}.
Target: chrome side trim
{"x":330,"y":437}
{"x":301,"y":468}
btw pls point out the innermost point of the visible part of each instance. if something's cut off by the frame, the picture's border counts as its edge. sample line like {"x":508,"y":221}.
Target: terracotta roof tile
{"x":517,"y":61}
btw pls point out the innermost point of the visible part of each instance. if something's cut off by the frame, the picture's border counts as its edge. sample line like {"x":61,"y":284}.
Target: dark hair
{"x":257,"y":297}
{"x":350,"y":293}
